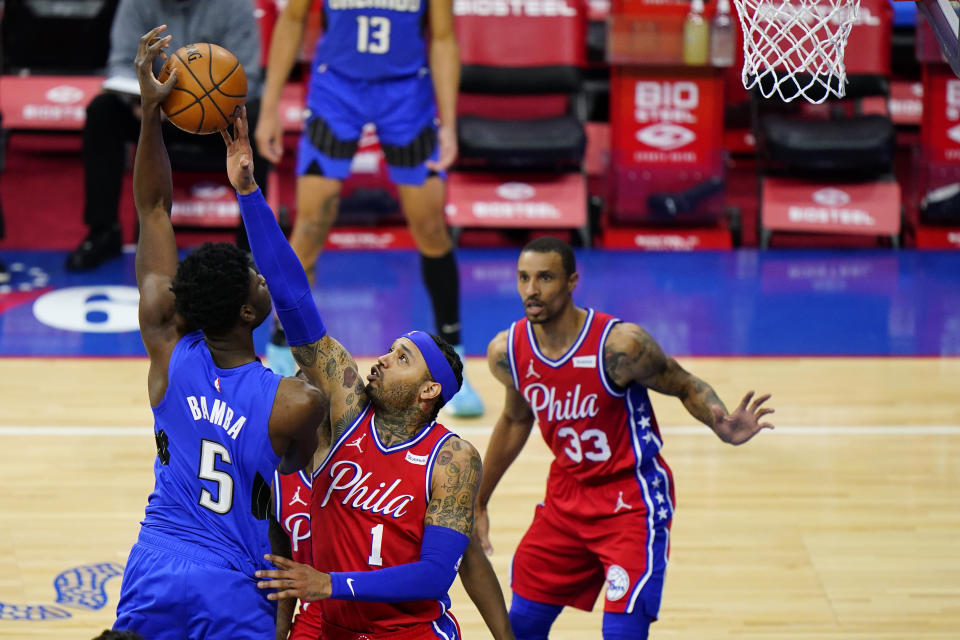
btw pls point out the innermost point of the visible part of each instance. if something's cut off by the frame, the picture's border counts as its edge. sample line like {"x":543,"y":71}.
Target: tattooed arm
{"x":453,"y":486}
{"x":631,"y":356}
{"x":510,"y":434}
{"x":331,"y":368}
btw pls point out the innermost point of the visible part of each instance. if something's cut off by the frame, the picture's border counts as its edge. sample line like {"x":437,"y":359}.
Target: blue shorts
{"x":403,"y":109}
{"x":179,"y":590}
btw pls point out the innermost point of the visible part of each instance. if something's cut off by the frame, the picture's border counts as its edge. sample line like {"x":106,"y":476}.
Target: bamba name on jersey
{"x":349,"y":477}
{"x":219,"y":414}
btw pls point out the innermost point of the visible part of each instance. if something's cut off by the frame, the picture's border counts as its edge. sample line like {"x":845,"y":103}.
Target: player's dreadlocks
{"x":211,"y":285}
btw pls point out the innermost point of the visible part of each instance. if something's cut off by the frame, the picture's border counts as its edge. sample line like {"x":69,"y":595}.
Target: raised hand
{"x":744,"y":422}
{"x":294,"y":580}
{"x":152,"y":91}
{"x":240,"y":155}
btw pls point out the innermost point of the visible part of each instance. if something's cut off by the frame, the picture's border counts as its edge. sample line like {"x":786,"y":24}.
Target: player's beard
{"x":392,"y":398}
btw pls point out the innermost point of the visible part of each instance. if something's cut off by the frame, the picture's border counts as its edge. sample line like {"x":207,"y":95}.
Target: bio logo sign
{"x":668,"y":109}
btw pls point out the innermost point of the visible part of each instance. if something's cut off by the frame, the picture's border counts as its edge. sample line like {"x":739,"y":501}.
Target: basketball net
{"x":794,"y":48}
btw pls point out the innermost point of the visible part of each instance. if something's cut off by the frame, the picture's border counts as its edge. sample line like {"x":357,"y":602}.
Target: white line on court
{"x":482,"y":430}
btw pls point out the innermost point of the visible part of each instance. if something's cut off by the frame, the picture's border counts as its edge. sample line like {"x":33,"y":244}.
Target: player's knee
{"x":430,"y":228}
{"x":626,"y":626}
{"x":532,"y":620}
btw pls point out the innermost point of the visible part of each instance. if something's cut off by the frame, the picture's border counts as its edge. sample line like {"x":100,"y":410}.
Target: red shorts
{"x":618,"y":535}
{"x":446,"y":626}
{"x":307,"y":624}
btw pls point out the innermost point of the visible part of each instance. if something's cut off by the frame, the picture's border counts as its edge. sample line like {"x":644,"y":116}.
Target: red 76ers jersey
{"x":291,"y":498}
{"x":367,"y":509}
{"x":597,"y":432}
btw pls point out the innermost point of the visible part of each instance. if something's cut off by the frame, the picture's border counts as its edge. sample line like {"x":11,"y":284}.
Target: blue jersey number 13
{"x":373,"y":34}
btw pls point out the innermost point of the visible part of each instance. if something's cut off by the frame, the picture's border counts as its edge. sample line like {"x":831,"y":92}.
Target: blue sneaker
{"x":278,"y":356}
{"x":467,"y":403}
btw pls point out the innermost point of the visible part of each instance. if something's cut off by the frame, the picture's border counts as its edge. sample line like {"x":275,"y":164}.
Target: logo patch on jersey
{"x":531,"y":372}
{"x":297,"y":499}
{"x":620,"y":504}
{"x":415,"y":459}
{"x":618,"y":581}
{"x":216,"y":383}
{"x":585,"y":362}
{"x":356,"y":443}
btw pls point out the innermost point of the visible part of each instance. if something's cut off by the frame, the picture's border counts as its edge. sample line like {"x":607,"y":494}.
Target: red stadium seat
{"x":521,"y":110}
{"x":829,"y":169}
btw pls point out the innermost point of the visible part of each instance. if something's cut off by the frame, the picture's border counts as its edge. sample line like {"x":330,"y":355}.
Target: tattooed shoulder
{"x":630,"y":354}
{"x":456,"y":477}
{"x":497,"y":357}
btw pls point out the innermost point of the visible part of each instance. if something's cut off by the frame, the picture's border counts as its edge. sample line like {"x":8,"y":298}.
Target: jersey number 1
{"x":373,"y":34}
{"x":375,"y":558}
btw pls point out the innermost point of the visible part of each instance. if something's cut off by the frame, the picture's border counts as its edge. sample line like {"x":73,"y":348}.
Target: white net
{"x":794,"y":48}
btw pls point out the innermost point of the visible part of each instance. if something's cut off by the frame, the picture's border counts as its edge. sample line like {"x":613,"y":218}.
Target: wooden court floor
{"x":841,"y":524}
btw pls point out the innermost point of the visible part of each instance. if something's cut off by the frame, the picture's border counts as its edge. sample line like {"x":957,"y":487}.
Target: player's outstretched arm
{"x":325,"y":362}
{"x":480,"y":582}
{"x":631,"y":356}
{"x":156,"y":260}
{"x":510,"y":433}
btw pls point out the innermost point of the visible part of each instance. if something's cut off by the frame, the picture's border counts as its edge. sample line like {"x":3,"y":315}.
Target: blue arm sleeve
{"x":283,"y":272}
{"x":429,"y":579}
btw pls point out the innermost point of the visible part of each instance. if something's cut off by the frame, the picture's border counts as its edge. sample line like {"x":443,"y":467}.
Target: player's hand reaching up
{"x":294,"y":580}
{"x":744,"y":422}
{"x":152,"y":91}
{"x":240,"y":155}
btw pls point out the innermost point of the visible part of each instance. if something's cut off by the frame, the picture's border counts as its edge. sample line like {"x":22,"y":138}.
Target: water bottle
{"x":696,"y":35}
{"x":722,"y":39}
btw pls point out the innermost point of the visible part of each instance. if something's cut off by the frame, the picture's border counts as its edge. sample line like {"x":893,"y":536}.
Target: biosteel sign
{"x":867,"y":209}
{"x":665,"y":119}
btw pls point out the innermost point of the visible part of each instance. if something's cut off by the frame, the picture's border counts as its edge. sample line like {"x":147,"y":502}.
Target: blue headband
{"x":437,"y":364}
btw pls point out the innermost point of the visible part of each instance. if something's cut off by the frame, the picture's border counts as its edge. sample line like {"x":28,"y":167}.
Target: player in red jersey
{"x":291,"y":503}
{"x":393,"y":501}
{"x":291,"y":497}
{"x":583,"y":376}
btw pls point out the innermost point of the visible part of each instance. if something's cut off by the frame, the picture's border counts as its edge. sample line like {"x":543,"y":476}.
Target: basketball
{"x":210,"y":91}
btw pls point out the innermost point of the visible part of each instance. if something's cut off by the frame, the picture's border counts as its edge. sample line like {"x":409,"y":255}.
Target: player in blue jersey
{"x":375,"y":64}
{"x":222,"y":421}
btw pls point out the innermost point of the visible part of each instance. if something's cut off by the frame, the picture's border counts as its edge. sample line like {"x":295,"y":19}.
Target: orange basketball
{"x":210,"y":91}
